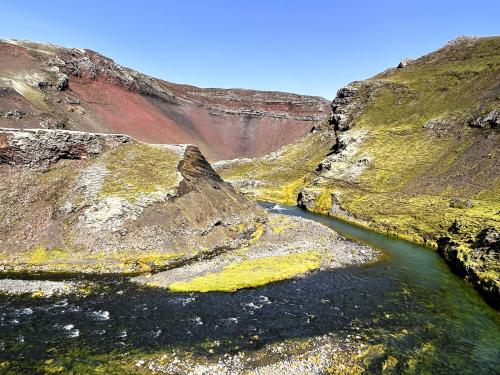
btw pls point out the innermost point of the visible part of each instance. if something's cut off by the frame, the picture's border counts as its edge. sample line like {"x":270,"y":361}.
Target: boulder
{"x":460,"y":203}
{"x":15,"y":114}
{"x":404,"y":63}
{"x":71,"y":100}
{"x":492,"y":119}
{"x":489,"y":238}
{"x":62,"y":82}
{"x":306,"y":199}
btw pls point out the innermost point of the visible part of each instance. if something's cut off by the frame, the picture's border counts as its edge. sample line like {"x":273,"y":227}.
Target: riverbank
{"x":282,"y":248}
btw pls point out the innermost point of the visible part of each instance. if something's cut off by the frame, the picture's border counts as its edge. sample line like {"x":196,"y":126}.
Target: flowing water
{"x":426,"y":317}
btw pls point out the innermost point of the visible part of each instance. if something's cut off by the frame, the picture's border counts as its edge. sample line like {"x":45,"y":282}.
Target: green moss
{"x":140,"y":169}
{"x":237,"y":228}
{"x":32,"y":94}
{"x":57,"y":260}
{"x":251,"y":273}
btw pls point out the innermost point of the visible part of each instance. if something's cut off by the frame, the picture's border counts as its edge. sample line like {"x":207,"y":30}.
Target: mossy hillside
{"x":415,"y":169}
{"x":279,"y":176}
{"x":140,"y":168}
{"x":252,"y":273}
{"x":402,"y":187}
{"x":407,"y":184}
{"x":402,"y":149}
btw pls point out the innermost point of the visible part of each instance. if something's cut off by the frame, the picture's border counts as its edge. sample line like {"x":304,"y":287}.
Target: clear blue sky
{"x":309,"y":47}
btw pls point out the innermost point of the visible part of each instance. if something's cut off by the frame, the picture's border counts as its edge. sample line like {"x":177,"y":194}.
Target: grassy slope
{"x":280,"y":175}
{"x":414,"y":172}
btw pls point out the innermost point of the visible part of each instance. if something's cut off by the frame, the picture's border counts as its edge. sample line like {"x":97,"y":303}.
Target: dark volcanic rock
{"x":493,"y":118}
{"x":340,"y":117}
{"x":489,"y":238}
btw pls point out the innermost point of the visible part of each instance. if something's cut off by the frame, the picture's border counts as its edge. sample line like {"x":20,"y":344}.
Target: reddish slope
{"x":104,"y":96}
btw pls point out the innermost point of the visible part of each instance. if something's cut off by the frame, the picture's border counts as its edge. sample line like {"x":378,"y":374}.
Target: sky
{"x":309,"y":47}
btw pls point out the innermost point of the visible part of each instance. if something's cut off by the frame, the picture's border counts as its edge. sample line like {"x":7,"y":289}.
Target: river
{"x":409,"y":301}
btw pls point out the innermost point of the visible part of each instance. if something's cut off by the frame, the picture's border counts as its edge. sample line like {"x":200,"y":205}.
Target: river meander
{"x":408,"y":301}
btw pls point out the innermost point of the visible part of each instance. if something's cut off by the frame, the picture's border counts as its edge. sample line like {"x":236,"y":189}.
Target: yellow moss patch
{"x":35,"y":96}
{"x":279,"y":224}
{"x":257,"y":234}
{"x":43,"y":255}
{"x":280,"y":229}
{"x":146,"y":262}
{"x":237,"y":228}
{"x":323,"y":202}
{"x":126,"y":262}
{"x":37,"y":294}
{"x":85,"y":290}
{"x":251,"y":273}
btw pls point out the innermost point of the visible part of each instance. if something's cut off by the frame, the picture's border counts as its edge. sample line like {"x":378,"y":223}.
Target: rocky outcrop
{"x":352,"y":100}
{"x":491,"y":120}
{"x":474,"y":261}
{"x":74,"y":201}
{"x":87,"y":91}
{"x":342,"y":108}
{"x":40,"y":148}
{"x":404,"y":63}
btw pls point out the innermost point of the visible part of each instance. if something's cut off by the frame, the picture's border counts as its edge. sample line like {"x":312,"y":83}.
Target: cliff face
{"x":412,"y":152}
{"x":45,"y":86}
{"x":83,"y":202}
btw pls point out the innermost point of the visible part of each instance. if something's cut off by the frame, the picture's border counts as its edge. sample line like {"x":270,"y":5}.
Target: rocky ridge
{"x":85,"y":202}
{"x":47,"y":86}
